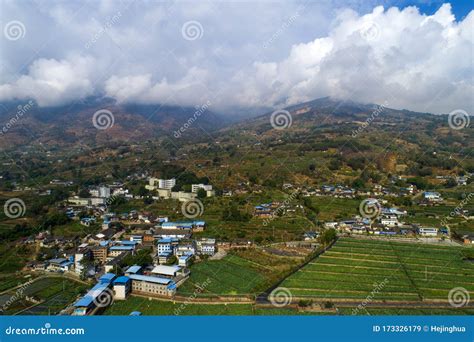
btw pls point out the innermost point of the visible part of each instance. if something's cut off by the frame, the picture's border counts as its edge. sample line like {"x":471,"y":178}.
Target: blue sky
{"x":240,"y":54}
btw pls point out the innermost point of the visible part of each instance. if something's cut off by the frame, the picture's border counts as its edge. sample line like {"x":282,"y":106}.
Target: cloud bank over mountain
{"x":236,"y":54}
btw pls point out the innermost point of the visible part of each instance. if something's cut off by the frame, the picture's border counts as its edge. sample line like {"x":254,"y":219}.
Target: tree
{"x":328,"y":236}
{"x":201,"y":193}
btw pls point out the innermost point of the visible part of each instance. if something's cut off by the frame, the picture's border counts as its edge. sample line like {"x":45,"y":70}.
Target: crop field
{"x":385,"y":270}
{"x":50,"y":295}
{"x":156,"y":307}
{"x":244,"y":272}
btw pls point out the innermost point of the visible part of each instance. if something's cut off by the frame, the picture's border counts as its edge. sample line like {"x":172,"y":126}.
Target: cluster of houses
{"x":388,"y":222}
{"x":157,"y":281}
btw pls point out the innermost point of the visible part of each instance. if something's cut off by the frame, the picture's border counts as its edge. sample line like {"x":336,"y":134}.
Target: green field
{"x":53,"y":294}
{"x":241,"y":273}
{"x":155,"y":307}
{"x":356,"y":269}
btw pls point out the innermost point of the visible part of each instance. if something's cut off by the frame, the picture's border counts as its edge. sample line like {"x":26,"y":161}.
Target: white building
{"x":166,"y":183}
{"x":428,"y":231}
{"x":104,"y":192}
{"x":390,"y":221}
{"x":196,"y":187}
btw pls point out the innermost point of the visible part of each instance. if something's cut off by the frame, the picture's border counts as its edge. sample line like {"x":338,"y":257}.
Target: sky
{"x":239,"y":55}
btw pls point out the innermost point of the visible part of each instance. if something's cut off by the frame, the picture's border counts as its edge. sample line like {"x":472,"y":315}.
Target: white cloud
{"x":250,"y":55}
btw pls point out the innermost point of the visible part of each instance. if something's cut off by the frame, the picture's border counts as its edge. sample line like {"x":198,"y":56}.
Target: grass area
{"x":243,"y":272}
{"x":356,"y":268}
{"x":408,"y":311}
{"x":54,"y":294}
{"x":155,"y":307}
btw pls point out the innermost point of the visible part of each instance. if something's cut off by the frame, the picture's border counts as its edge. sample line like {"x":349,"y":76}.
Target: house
{"x":152,"y":285}
{"x":122,"y":287}
{"x":164,"y":257}
{"x":185,"y":248}
{"x":99,"y":253}
{"x":177,"y":225}
{"x":135,"y":269}
{"x":185,"y":260}
{"x":262,"y":211}
{"x":468,"y":239}
{"x":59,"y":265}
{"x":115,"y":251}
{"x":206,"y":246}
{"x":196,"y":187}
{"x":87,"y":304}
{"x":166,"y":245}
{"x":87,"y":221}
{"x":173,"y":233}
{"x":389,"y":220}
{"x":83,"y":253}
{"x":310,"y":235}
{"x":431,"y":196}
{"x":137,"y":238}
{"x":170,"y":272}
{"x":428,"y":231}
{"x":199,"y":226}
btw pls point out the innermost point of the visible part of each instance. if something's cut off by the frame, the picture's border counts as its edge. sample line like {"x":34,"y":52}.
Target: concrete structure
{"x":428,"y":231}
{"x":166,"y":183}
{"x":206,"y":246}
{"x":59,"y":265}
{"x":195,"y":187}
{"x":122,"y":287}
{"x":153,"y":285}
{"x":167,"y":271}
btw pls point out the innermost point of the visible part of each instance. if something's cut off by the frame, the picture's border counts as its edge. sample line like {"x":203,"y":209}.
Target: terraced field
{"x":241,"y":273}
{"x":384,"y":270}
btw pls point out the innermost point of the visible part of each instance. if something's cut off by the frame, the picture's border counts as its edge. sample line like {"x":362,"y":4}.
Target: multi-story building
{"x":99,"y":253}
{"x":122,"y":287}
{"x":152,"y":285}
{"x":206,"y":246}
{"x":166,"y":183}
{"x":165,"y":245}
{"x":428,"y":231}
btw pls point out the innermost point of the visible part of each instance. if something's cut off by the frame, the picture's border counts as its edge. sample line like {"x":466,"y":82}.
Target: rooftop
{"x":150,"y":279}
{"x":121,"y":280}
{"x":133,"y":269}
{"x":167,"y":270}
